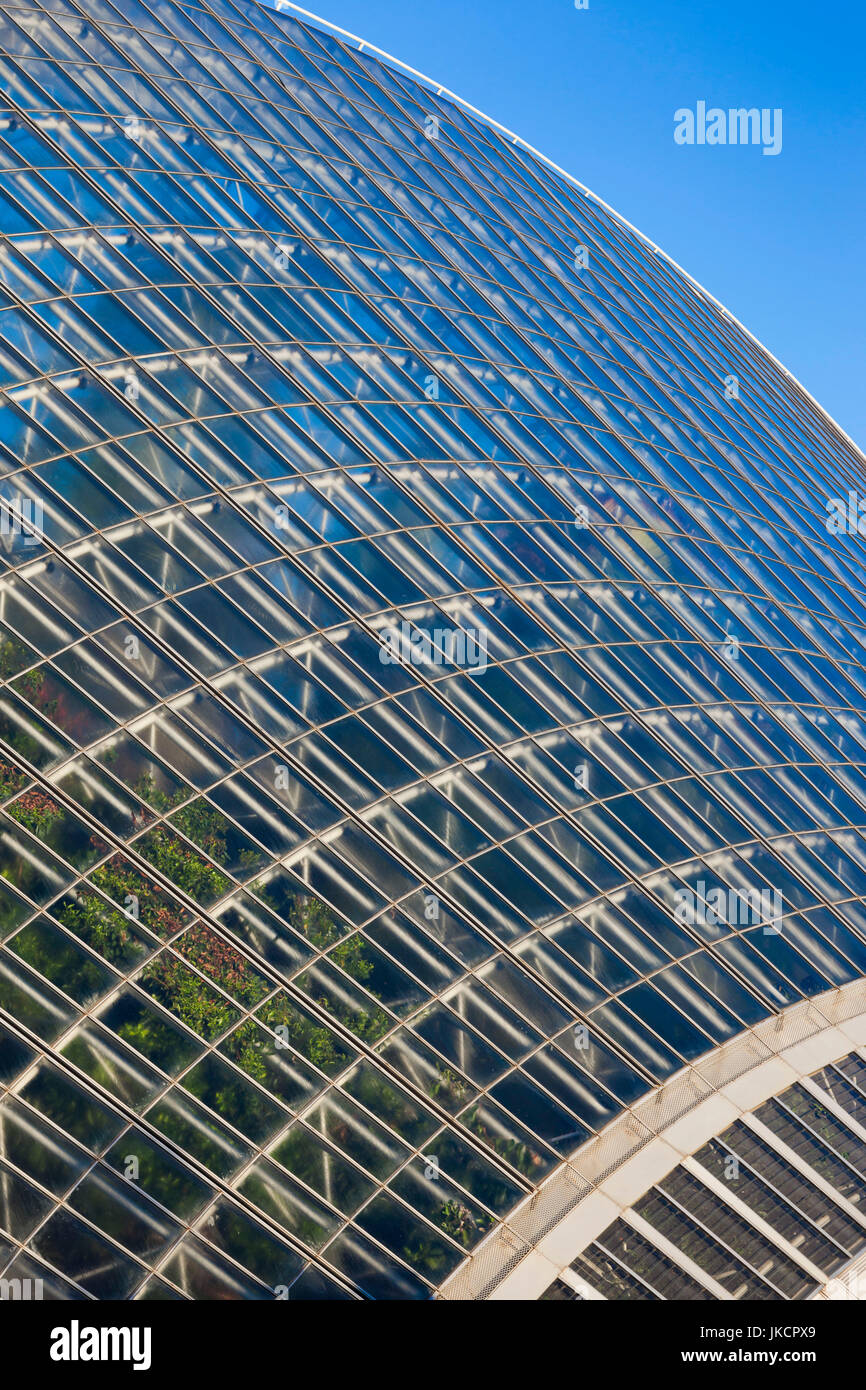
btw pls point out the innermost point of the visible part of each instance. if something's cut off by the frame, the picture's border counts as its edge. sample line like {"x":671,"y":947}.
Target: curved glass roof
{"x":768,"y":1210}
{"x":433,"y":706}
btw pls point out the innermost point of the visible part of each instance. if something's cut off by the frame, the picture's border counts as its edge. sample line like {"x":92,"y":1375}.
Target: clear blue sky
{"x":780,"y":241}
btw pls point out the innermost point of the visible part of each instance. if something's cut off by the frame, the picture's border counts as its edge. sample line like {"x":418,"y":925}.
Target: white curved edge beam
{"x":522,"y":1256}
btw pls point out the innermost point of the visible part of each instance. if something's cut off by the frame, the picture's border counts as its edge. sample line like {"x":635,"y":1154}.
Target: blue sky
{"x":779,"y":240}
